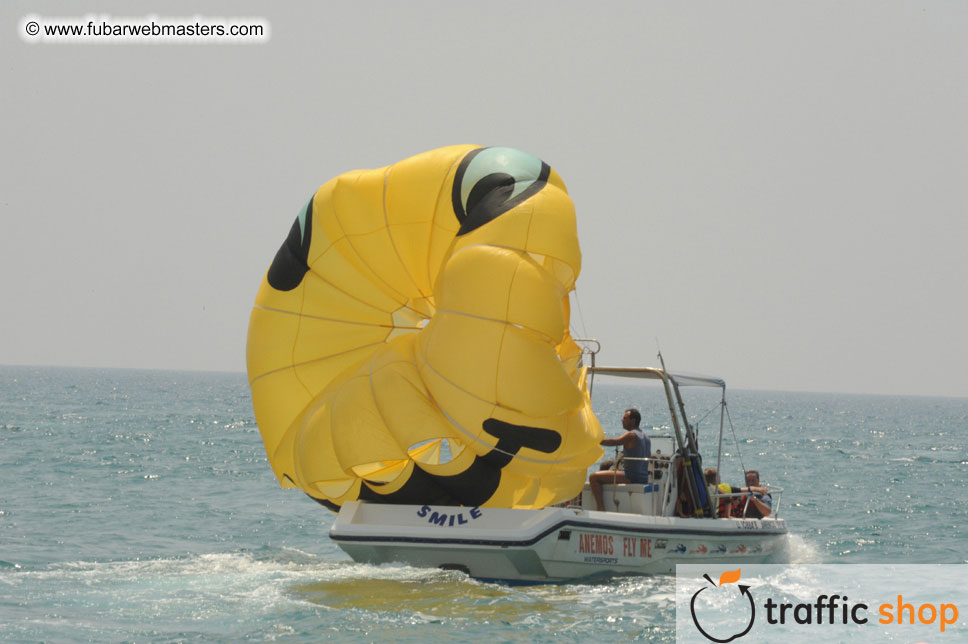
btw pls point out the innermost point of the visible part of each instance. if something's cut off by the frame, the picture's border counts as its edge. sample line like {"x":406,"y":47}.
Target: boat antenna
{"x":659,"y":349}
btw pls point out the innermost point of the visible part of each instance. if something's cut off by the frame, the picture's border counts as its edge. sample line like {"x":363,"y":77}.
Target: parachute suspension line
{"x":722,"y":415}
{"x":696,"y":424}
{"x":708,"y":413}
{"x":581,"y":318}
{"x":735,"y":440}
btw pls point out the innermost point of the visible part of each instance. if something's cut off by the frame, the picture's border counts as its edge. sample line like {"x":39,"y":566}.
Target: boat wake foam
{"x":797,"y":550}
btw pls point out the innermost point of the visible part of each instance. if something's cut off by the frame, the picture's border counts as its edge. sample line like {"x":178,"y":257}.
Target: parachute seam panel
{"x":389,"y":232}
{"x":434,"y":223}
{"x":487,"y":402}
{"x":504,"y":333}
{"x":556,"y":341}
{"x":348,"y":238}
{"x":494,"y":447}
{"x":497,"y":321}
{"x":325,"y":319}
{"x":349,"y":476}
{"x":430,"y":396}
{"x":379,"y":409}
{"x":562,"y":290}
{"x":354,"y":297}
{"x":320,"y":277}
{"x":319,"y":359}
{"x":334,"y":248}
{"x":299,"y":324}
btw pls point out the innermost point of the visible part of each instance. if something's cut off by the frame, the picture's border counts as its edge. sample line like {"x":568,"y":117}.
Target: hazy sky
{"x":775,"y":190}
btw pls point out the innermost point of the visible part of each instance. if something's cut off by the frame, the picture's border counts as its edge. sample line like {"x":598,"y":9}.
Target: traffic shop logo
{"x":740,"y":590}
{"x":829,"y":610}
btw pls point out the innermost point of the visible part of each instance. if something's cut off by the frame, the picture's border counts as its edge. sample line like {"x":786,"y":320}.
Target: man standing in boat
{"x":635,"y":446}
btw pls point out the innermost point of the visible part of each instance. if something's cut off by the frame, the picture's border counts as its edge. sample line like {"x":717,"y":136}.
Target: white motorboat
{"x":647,"y":528}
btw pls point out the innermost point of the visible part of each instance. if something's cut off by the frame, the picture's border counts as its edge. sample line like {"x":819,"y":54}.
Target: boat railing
{"x":589,"y":349}
{"x":775,"y":493}
{"x":656,"y":465}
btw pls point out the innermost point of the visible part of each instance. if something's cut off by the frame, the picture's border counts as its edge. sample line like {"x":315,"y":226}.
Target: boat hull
{"x":547,"y":545}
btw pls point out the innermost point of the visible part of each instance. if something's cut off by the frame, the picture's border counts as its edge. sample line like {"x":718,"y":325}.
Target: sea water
{"x":138,"y":506}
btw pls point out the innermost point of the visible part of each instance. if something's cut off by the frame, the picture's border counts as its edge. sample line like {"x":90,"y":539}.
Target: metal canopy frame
{"x":687,"y":443}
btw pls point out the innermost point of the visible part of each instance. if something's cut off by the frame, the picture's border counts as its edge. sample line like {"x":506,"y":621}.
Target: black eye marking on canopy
{"x":492,"y":194}
{"x":291,"y":261}
{"x":477,"y":483}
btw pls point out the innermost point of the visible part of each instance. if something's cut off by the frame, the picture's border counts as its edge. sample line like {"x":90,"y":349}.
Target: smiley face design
{"x":409,"y":342}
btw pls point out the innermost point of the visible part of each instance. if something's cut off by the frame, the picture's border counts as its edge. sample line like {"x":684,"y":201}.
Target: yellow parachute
{"x":410,"y":344}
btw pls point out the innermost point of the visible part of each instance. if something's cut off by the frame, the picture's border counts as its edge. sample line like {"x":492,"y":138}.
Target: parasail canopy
{"x":409,"y":342}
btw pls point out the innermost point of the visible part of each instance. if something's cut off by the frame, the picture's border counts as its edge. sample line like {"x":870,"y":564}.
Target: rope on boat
{"x":696,"y":424}
{"x":581,"y":318}
{"x":735,"y":440}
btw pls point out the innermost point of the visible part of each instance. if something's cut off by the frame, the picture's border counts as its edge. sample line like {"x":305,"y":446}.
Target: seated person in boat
{"x":635,"y":446}
{"x":714,"y":486}
{"x":761,"y":503}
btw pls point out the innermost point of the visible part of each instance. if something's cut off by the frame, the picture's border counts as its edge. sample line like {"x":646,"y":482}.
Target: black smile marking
{"x":477,"y":483}
{"x":291,"y":261}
